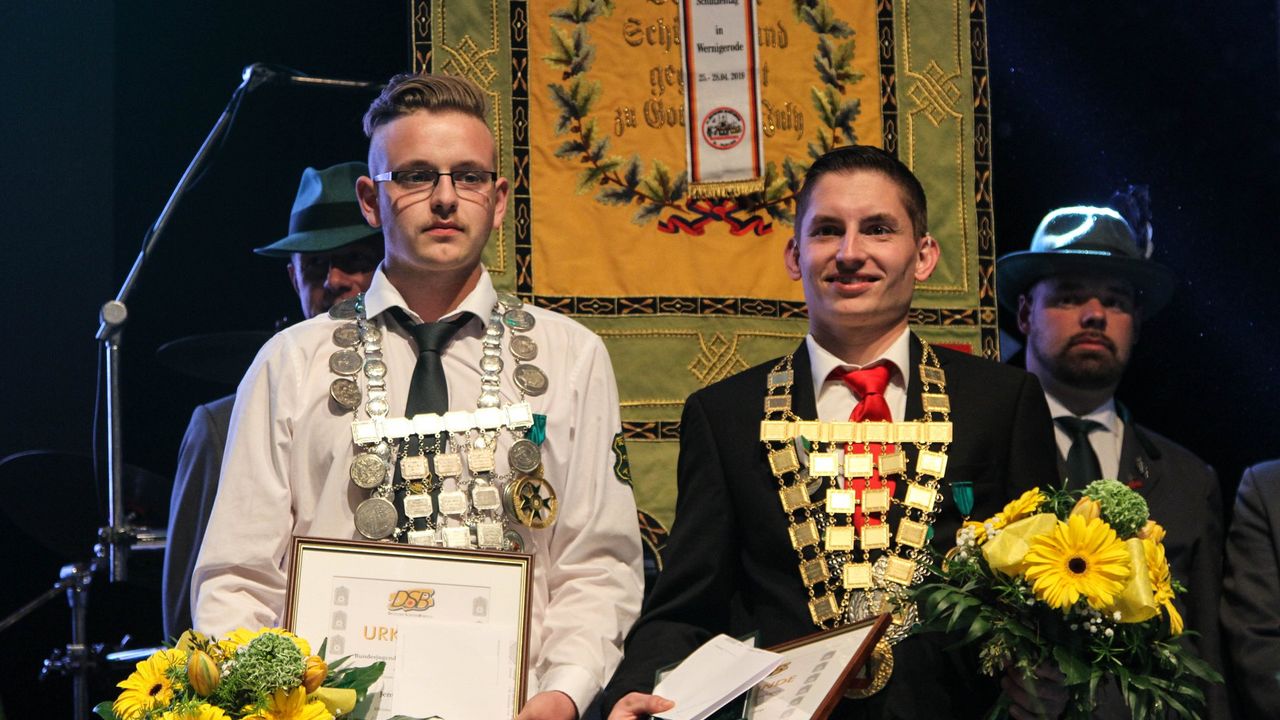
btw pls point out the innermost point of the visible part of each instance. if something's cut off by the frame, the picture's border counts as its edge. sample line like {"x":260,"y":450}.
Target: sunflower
{"x":150,"y":686}
{"x":291,"y":705}
{"x":1078,"y":558}
{"x":204,"y":711}
{"x":241,"y":637}
{"x":1162,"y":583}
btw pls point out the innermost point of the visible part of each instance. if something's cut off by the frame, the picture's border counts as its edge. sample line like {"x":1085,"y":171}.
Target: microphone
{"x":258,"y":74}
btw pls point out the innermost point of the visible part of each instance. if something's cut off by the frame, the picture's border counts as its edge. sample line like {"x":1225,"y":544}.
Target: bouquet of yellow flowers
{"x":1078,"y":583}
{"x":265,"y":675}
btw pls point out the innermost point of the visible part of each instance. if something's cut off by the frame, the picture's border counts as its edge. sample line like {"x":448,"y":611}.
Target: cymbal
{"x":217,"y":357}
{"x":52,"y":498}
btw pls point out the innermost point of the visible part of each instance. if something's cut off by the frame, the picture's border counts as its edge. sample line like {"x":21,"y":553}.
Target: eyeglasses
{"x":474,"y":181}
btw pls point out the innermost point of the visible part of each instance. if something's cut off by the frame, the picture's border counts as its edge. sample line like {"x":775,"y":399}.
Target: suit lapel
{"x":915,"y":406}
{"x":1137,"y":468}
{"x":803,"y":402}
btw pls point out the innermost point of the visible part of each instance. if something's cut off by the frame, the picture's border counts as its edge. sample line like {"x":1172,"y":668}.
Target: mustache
{"x":1089,"y":337}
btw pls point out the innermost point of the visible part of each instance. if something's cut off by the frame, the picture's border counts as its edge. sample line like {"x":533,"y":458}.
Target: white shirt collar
{"x":822,"y":362}
{"x":383,"y":295}
{"x":1105,"y":414}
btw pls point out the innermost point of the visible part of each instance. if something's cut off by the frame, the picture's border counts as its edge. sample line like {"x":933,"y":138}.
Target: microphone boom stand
{"x":118,"y":537}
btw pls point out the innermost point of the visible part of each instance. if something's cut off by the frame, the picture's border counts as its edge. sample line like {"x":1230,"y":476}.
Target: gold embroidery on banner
{"x":467,"y":58}
{"x":935,"y":93}
{"x":930,"y":90}
{"x":718,"y":360}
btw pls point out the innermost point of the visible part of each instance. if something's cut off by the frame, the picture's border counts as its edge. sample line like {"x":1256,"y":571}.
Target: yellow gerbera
{"x":1017,"y":509}
{"x":1161,"y":583}
{"x":1028,"y":503}
{"x":292,"y":705}
{"x":1077,"y":558}
{"x":204,"y":711}
{"x":149,"y":687}
{"x":243,"y":636}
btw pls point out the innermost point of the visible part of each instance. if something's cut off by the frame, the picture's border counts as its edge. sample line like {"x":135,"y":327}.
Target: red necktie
{"x":869,"y":384}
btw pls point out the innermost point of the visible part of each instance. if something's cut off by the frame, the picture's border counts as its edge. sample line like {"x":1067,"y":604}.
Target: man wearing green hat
{"x":1081,"y":293}
{"x":332,"y":254}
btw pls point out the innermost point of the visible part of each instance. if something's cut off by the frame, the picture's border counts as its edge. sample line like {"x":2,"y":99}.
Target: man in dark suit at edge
{"x":1081,"y":293}
{"x":861,"y":244}
{"x":1251,"y":593}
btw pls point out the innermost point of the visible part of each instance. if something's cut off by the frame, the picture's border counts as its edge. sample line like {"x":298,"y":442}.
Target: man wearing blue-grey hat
{"x":1081,"y":294}
{"x":332,"y":254}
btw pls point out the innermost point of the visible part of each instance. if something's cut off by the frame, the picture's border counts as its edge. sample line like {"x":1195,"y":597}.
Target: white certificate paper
{"x":452,"y":626}
{"x":807,"y":673}
{"x":717,"y":672}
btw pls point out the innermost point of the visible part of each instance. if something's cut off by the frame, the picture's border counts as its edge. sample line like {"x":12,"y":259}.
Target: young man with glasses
{"x":430,"y":335}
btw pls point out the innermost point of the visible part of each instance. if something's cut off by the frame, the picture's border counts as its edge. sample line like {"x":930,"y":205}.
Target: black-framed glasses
{"x":463,"y":180}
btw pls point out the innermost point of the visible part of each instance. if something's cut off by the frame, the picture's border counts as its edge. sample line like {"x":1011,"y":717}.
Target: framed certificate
{"x":452,"y":625}
{"x":816,"y":671}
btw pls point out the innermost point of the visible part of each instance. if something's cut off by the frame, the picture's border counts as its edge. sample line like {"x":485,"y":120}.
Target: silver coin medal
{"x":375,"y":517}
{"x":524,"y":456}
{"x":528,"y":378}
{"x":368,"y":469}
{"x":484,"y":496}
{"x":344,"y":390}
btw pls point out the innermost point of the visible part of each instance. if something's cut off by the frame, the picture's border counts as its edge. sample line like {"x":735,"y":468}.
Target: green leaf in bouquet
{"x":1076,"y":670}
{"x":104,"y":710}
{"x":359,"y":679}
{"x":1197,"y":667}
{"x":1179,"y":709}
{"x":979,"y":627}
{"x":1061,"y":500}
{"x":936,"y":598}
{"x":1019,"y":630}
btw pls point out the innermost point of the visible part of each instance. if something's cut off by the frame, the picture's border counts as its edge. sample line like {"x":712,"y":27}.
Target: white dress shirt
{"x":1106,"y":441}
{"x":285,"y":474}
{"x":836,"y":401}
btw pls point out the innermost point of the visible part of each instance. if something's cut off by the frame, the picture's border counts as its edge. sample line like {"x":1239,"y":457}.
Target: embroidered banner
{"x":591,"y":128}
{"x":721,"y":98}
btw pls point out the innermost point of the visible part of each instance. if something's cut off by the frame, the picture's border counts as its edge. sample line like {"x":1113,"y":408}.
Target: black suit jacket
{"x":729,"y":565}
{"x":1184,"y":496}
{"x":1251,"y":593}
{"x":194,"y":488}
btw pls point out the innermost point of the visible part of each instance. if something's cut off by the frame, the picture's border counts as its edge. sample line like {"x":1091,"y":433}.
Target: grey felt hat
{"x":325,"y":213}
{"x":1085,"y":240}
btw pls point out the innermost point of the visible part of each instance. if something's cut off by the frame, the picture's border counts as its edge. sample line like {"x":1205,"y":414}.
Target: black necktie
{"x":428,"y":390}
{"x":1082,"y":462}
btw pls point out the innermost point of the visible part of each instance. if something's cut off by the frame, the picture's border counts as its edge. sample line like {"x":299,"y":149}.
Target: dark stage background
{"x":105,"y":103}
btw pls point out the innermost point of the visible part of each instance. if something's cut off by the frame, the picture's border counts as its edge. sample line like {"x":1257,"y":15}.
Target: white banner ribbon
{"x":722,"y":97}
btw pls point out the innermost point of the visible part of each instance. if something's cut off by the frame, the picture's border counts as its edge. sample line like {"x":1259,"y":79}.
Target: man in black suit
{"x":1081,"y":293}
{"x":1251,"y":593}
{"x":860,"y":246}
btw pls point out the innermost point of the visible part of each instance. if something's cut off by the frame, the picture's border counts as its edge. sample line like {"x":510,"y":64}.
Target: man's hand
{"x":636,"y":706}
{"x":550,"y":705}
{"x":1044,"y":695}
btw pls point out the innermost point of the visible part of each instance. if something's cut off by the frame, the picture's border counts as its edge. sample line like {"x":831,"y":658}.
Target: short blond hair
{"x":408,"y":93}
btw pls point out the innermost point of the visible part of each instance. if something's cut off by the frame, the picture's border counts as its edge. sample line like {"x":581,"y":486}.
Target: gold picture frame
{"x":414,"y":607}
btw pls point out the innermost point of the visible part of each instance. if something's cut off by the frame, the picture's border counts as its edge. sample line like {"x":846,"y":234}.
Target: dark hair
{"x":855,"y":158}
{"x":408,"y":93}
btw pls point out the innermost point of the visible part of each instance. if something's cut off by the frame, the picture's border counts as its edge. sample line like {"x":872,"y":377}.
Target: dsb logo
{"x":415,"y":600}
